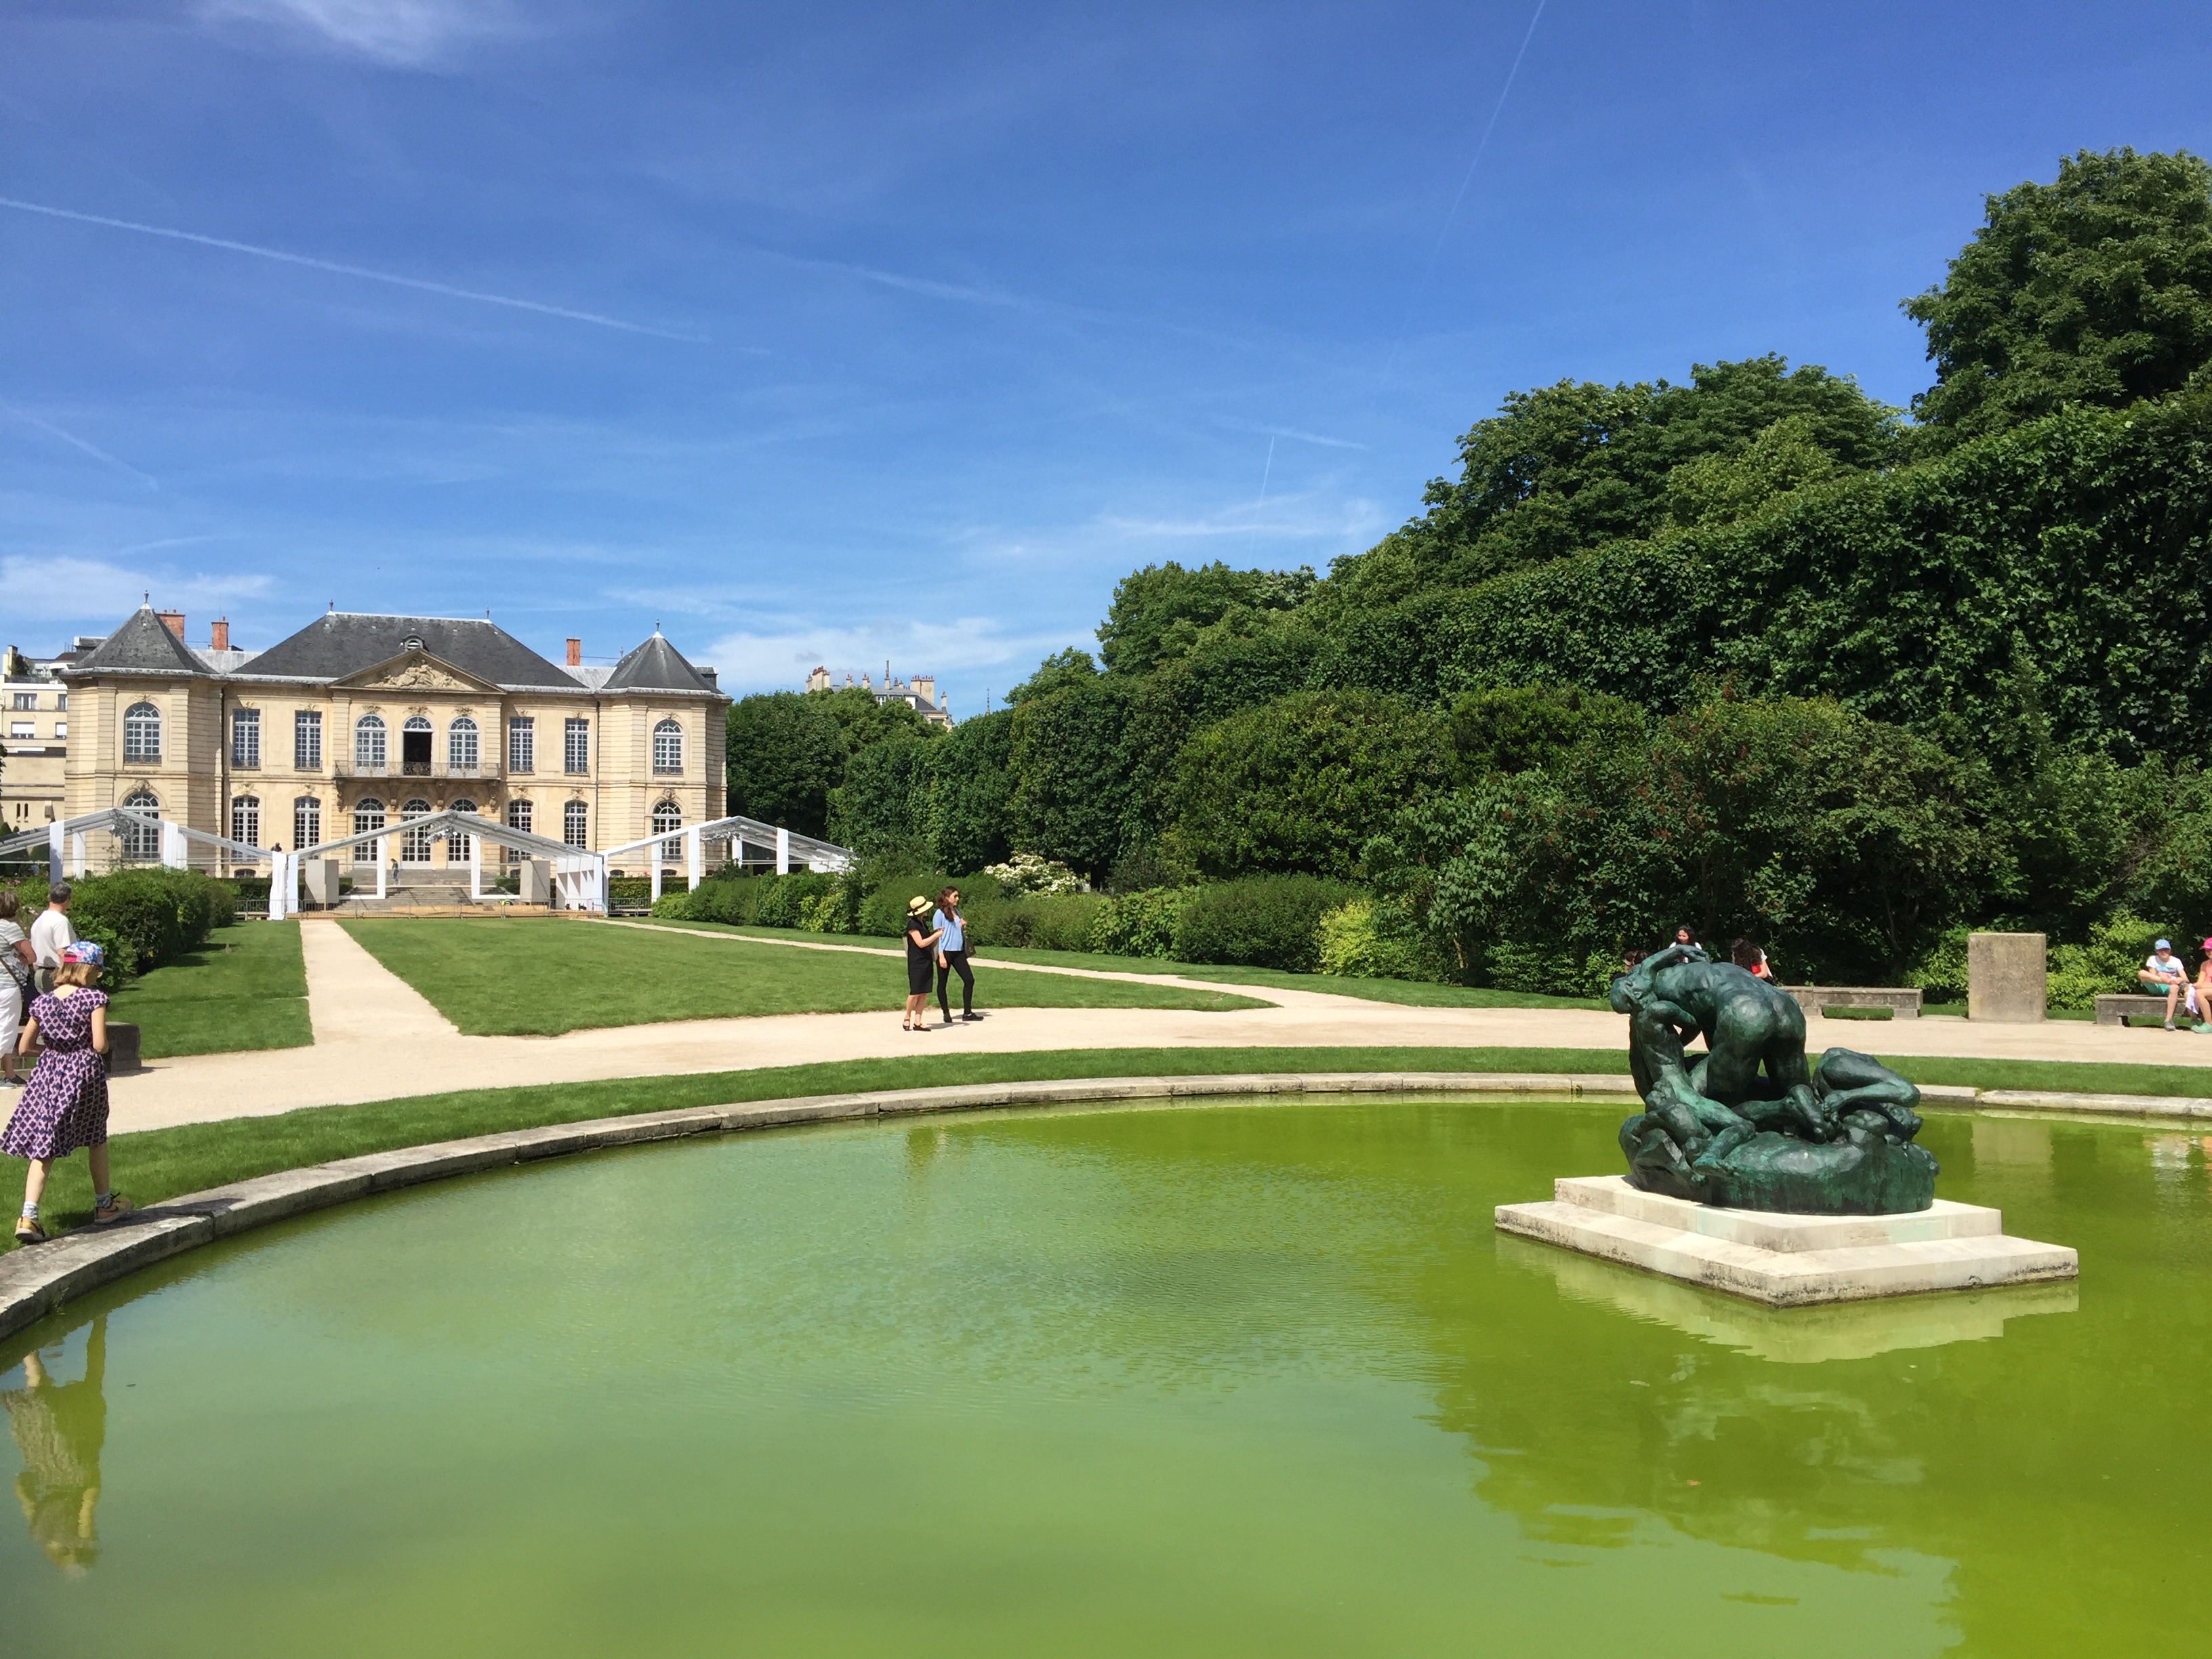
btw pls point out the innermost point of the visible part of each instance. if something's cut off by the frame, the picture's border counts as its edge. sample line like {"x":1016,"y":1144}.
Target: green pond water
{"x":1240,"y":1379}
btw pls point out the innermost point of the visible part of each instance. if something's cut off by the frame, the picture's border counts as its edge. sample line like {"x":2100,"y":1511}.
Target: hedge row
{"x":1268,"y":921}
{"x":143,"y":919}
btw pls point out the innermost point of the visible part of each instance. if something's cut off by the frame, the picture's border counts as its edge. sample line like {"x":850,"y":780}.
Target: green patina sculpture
{"x":1748,"y":1124}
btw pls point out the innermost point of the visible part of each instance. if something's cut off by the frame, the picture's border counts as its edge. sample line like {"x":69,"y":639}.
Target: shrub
{"x":1548,"y":971}
{"x":1265,"y":921}
{"x":1138,"y":924}
{"x":141,"y":919}
{"x":1060,"y":921}
{"x":783,"y":899}
{"x":882,"y":913}
{"x":1365,"y":939}
{"x":1032,"y":873}
{"x":2079,"y":973}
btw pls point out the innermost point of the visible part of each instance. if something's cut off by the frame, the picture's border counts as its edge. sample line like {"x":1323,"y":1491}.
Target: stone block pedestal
{"x":2006,"y":976}
{"x":1787,"y":1260}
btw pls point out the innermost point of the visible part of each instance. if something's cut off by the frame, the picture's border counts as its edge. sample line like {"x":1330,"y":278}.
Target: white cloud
{"x":98,"y":594}
{"x":409,"y":33}
{"x":779,"y":660}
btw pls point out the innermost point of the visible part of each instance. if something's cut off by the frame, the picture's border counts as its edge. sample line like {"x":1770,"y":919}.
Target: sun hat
{"x":917,"y":906}
{"x":85,"y":951}
{"x":2163,"y":944}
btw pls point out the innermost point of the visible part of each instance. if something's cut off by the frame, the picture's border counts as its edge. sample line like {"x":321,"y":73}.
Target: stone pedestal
{"x":122,"y":1046}
{"x":2005,"y":976}
{"x":1787,"y":1260}
{"x":318,"y":883}
{"x":537,"y":881}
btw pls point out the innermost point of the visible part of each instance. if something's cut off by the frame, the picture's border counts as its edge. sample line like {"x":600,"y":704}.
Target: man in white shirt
{"x":2162,"y":971}
{"x":51,"y":934}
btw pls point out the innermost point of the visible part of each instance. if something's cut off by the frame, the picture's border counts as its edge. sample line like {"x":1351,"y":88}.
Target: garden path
{"x":376,"y":1038}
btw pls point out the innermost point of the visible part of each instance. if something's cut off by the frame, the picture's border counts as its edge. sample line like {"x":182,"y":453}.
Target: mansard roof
{"x":657,"y":665}
{"x":343,"y":643}
{"x":143,"y":645}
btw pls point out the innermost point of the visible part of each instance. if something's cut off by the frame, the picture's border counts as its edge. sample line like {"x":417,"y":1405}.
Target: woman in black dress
{"x":920,"y":963}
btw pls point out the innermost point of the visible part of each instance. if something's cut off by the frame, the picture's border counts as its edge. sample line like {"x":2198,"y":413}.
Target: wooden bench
{"x":1902,"y":1001}
{"x":2115,"y":1009}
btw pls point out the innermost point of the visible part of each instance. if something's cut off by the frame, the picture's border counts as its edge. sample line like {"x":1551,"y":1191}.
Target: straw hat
{"x":917,"y":906}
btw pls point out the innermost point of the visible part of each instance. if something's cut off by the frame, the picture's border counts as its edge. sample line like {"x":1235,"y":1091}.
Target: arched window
{"x":461,"y":745}
{"x":142,"y":733}
{"x":414,"y":844}
{"x":667,"y":819}
{"x":141,"y":844}
{"x":668,"y":747}
{"x":457,"y":841}
{"x":518,"y":817}
{"x":415,"y":747}
{"x":573,"y":824}
{"x":306,"y":823}
{"x":246,"y":819}
{"x":368,"y":815}
{"x":369,"y":751}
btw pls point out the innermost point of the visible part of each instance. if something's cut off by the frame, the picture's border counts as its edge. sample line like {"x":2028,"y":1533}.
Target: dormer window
{"x":412,"y":642}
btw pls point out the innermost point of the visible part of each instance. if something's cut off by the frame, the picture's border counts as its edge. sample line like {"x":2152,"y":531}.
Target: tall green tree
{"x":882,"y":807}
{"x":1299,"y":784}
{"x":970,"y":818}
{"x":1565,"y":467}
{"x":786,"y":753}
{"x":2096,"y":288}
{"x":1072,"y":791}
{"x":1157,"y":612}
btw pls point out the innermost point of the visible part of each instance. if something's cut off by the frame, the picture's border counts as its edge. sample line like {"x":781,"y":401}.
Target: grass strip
{"x":539,"y":977}
{"x":1407,"y":992}
{"x":153,"y":1164}
{"x":246,"y":988}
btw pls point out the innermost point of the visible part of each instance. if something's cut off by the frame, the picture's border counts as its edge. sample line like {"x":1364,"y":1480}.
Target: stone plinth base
{"x":1787,"y":1260}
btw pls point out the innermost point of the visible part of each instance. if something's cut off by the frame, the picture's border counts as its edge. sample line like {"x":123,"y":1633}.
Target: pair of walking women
{"x":937,"y":938}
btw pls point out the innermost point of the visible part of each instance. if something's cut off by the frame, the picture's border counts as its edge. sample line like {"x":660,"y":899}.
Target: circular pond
{"x":1223,"y":1380}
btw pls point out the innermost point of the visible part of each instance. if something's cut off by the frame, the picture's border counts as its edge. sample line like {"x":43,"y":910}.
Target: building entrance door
{"x":415,"y":748}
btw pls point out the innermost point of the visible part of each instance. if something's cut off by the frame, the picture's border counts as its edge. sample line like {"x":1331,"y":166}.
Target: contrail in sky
{"x":1466,"y":178}
{"x":416,"y":282}
{"x":76,"y":442}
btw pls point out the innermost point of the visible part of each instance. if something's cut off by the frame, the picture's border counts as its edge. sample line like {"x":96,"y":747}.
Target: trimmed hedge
{"x":1268,"y":921}
{"x":143,"y":919}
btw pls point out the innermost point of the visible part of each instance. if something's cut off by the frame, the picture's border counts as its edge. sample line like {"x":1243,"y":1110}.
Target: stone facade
{"x":358,"y":722}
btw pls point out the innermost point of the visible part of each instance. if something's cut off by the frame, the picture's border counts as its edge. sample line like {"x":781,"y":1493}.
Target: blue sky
{"x":836,"y":333}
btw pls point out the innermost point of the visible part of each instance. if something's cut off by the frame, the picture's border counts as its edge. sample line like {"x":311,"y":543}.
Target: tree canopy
{"x":2095,"y":289}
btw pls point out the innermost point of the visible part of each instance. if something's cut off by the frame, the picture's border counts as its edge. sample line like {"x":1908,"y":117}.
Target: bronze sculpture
{"x":1749,"y":1124}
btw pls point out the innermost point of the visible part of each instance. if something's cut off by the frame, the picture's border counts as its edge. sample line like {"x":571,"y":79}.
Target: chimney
{"x":927,"y":684}
{"x":174,"y":621}
{"x":575,"y":653}
{"x":219,"y":635}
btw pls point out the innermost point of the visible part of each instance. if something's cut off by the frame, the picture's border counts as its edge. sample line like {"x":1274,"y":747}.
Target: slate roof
{"x":143,"y":645}
{"x":657,"y":665}
{"x":345,"y":643}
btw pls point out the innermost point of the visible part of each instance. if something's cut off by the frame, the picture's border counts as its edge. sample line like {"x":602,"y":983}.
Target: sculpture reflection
{"x":1790,"y":1336}
{"x":59,"y":1429}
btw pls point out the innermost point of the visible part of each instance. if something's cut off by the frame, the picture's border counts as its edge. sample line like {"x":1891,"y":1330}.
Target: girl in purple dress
{"x":64,"y":1106}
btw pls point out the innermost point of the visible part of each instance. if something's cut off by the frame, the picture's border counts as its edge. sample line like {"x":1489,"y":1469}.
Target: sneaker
{"x":2169,"y":1025}
{"x":117,"y":1208}
{"x":971,"y":1017}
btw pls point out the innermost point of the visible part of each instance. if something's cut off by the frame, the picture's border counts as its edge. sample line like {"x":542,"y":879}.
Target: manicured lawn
{"x":157,"y":1164}
{"x":1411,"y":993}
{"x":539,"y":977}
{"x":246,"y":988}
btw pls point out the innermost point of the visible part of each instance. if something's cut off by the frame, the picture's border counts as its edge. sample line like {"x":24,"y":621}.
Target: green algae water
{"x":1254,"y":1379}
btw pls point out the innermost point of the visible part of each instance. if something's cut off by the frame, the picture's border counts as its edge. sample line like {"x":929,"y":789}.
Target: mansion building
{"x":356,"y":723}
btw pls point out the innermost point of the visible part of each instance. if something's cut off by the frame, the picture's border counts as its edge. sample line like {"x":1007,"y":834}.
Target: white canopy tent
{"x":692,"y":839}
{"x":580,"y":877}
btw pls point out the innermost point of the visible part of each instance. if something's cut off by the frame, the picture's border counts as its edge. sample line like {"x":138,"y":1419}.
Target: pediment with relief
{"x":416,"y":670}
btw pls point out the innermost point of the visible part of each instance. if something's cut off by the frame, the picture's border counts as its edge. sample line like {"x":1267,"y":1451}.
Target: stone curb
{"x":38,"y":1282}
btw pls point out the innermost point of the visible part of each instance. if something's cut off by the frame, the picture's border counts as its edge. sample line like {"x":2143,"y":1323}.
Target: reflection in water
{"x":59,"y":1429}
{"x":1789,"y":1336}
